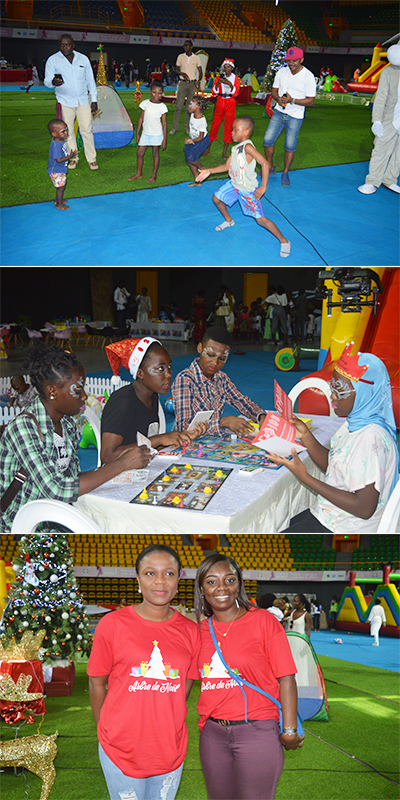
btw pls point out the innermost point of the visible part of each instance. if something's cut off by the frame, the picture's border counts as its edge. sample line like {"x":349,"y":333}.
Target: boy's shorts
{"x":229,"y":195}
{"x":58,"y":178}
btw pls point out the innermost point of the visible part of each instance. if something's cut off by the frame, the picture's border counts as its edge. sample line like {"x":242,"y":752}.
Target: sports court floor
{"x":328,"y":222}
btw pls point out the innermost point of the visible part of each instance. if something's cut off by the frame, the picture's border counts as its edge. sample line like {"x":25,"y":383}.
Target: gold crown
{"x":17,"y":691}
{"x":27,"y":649}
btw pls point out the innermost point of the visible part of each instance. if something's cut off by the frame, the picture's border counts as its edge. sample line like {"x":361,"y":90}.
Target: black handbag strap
{"x":19,"y":477}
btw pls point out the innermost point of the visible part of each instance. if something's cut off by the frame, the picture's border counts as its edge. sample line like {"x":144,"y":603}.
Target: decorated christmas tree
{"x":287,"y":38}
{"x":45,"y":596}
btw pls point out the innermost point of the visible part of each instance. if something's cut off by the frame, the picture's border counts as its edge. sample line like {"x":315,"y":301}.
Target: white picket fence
{"x":94,"y":387}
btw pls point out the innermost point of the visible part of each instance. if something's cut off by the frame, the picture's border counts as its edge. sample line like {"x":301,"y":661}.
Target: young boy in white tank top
{"x":243,"y":184}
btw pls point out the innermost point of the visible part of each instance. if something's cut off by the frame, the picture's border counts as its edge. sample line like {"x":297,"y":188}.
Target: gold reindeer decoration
{"x":35,"y":753}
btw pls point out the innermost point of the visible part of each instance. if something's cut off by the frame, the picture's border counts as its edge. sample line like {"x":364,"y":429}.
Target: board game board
{"x":183,"y":486}
{"x":222,"y":448}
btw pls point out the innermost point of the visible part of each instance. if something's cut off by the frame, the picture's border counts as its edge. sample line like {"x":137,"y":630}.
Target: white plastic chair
{"x":391,"y":514}
{"x":30,"y":515}
{"x":94,"y":421}
{"x":312,"y":383}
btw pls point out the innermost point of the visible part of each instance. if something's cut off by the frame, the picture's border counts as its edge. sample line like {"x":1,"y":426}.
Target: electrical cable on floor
{"x":296,"y":229}
{"x":353,"y":689}
{"x":364,"y":763}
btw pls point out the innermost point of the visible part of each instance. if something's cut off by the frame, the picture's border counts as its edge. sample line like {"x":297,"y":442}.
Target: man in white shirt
{"x":121,"y":295}
{"x":71,"y":75}
{"x":187,"y":65}
{"x":294,"y":88}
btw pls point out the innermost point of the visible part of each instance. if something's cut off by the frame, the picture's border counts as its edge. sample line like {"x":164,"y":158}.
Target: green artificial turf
{"x":363,"y":726}
{"x":331,"y":134}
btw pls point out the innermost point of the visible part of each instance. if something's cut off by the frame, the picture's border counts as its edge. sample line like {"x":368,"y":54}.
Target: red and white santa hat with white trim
{"x":229,"y":61}
{"x":130,"y":353}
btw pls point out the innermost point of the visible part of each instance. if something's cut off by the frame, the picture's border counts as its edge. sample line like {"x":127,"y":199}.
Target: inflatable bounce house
{"x":371,"y":333}
{"x":368,"y":80}
{"x":353,"y":609}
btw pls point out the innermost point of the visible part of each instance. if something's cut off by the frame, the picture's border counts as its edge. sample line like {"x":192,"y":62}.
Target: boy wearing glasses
{"x":203,"y":387}
{"x":58,"y":158}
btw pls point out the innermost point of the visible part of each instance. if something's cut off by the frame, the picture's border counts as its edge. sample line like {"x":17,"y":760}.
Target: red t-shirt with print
{"x":142,"y":724}
{"x":256,"y":645}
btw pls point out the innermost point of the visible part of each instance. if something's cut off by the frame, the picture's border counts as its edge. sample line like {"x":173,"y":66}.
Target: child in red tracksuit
{"x":225,"y":87}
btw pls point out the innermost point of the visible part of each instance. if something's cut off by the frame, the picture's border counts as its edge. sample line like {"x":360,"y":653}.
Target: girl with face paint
{"x":362,"y":466}
{"x":44,"y":441}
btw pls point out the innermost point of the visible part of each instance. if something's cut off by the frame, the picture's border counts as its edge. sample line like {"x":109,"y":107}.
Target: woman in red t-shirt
{"x":141,"y":668}
{"x":242,"y":761}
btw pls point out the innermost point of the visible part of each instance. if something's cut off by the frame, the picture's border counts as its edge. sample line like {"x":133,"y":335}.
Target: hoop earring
{"x":237,"y":603}
{"x":202,"y":604}
{"x":139,"y":589}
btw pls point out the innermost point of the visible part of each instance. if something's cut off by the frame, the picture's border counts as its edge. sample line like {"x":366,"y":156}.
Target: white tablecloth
{"x":161,"y":330}
{"x":263,"y":503}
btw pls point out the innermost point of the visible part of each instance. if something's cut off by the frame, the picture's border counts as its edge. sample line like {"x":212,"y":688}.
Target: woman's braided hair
{"x":49,"y":363}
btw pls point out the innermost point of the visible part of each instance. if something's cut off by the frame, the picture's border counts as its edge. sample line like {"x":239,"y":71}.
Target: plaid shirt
{"x":193,"y":392}
{"x":21,"y":446}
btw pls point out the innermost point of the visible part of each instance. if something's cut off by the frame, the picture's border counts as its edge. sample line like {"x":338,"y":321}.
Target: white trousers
{"x":84,"y":117}
{"x":384,"y":166}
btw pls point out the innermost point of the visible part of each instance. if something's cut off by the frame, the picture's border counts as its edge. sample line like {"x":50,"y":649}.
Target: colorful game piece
{"x":188,"y":466}
{"x":154,"y":503}
{"x":219,"y":474}
{"x":200,"y":451}
{"x":207,"y":490}
{"x":165,"y":477}
{"x":174,"y":470}
{"x":184,"y":448}
{"x":144,"y":495}
{"x":176,"y":501}
{"x":181,"y":504}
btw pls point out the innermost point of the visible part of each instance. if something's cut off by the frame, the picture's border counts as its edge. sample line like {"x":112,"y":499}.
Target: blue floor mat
{"x":357,"y":647}
{"x":327,"y":221}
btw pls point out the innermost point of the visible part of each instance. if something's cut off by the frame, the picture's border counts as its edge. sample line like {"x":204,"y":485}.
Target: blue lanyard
{"x":240,"y":681}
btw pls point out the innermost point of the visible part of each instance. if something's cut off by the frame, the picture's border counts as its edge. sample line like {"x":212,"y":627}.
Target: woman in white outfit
{"x":299,"y":620}
{"x":375,"y":618}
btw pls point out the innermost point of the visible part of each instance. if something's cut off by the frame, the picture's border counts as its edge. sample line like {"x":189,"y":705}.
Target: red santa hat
{"x":229,"y":61}
{"x":130,"y":353}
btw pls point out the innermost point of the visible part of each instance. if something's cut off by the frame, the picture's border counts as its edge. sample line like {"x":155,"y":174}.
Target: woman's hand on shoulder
{"x":291,"y":742}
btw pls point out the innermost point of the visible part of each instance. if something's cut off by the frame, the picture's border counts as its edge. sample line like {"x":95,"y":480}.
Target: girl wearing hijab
{"x":362,"y":467}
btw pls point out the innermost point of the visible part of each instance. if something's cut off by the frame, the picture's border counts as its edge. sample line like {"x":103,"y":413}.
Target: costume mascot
{"x":384,"y":166}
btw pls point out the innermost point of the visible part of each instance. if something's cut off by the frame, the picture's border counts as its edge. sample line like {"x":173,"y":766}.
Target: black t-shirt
{"x":124,"y":414}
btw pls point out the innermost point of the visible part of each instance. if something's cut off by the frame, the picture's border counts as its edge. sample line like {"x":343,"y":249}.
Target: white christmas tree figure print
{"x":156,"y":664}
{"x":217,"y":669}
